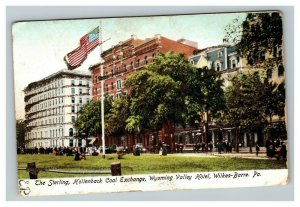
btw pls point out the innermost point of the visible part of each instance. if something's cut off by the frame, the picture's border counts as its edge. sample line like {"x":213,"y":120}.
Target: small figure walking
{"x":257,"y":149}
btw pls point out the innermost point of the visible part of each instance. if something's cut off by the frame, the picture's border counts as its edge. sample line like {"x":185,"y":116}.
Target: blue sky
{"x":40,"y":46}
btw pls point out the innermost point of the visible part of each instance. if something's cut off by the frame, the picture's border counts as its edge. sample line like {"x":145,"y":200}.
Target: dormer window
{"x":218,"y":66}
{"x":233,"y":63}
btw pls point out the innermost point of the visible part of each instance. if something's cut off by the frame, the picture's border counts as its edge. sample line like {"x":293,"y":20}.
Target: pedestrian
{"x":283,"y":151}
{"x":257,"y":149}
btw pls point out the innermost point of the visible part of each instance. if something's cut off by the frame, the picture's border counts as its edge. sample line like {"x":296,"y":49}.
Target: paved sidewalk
{"x":243,"y":153}
{"x":216,"y":154}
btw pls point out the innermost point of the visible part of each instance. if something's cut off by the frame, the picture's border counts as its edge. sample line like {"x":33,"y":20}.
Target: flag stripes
{"x":87,"y":43}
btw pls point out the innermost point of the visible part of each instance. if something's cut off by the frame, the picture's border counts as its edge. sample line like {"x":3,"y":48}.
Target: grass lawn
{"x":144,"y":164}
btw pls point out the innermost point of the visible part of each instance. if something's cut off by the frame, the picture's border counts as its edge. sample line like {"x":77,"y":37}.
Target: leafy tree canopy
{"x":258,"y":36}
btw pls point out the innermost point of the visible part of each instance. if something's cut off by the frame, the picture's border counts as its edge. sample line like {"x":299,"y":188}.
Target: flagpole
{"x":102,"y":91}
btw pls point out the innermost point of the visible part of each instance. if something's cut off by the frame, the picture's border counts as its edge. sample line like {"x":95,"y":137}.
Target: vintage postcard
{"x":150,"y":103}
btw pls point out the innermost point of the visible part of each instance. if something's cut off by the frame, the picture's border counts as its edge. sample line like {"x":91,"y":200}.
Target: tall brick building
{"x":124,"y":59}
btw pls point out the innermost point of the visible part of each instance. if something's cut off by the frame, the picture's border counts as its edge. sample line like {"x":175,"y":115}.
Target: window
{"x":71,"y":143}
{"x":233,"y":63}
{"x":112,"y":86}
{"x":87,"y":100}
{"x":269,"y":73}
{"x":125,"y":68}
{"x":80,"y":90}
{"x":73,"y":90}
{"x":218,"y":66}
{"x":95,"y":79}
{"x":138,"y":62}
{"x":119,"y":84}
{"x":88,"y":91}
{"x":73,"y":119}
{"x":79,"y":142}
{"x":73,"y":99}
{"x":153,"y":57}
{"x":262,"y":56}
{"x":280,"y":70}
{"x":106,"y":86}
{"x":73,"y":109}
{"x":220,"y":54}
{"x":80,"y":100}
{"x":71,"y":132}
{"x":131,"y":66}
{"x":80,"y":83}
{"x":87,"y":84}
{"x":73,"y":82}
{"x":279,"y":52}
{"x":146,"y":60}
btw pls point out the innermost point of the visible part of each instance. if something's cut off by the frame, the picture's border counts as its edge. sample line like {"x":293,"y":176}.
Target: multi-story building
{"x":124,"y":59}
{"x":129,"y":56}
{"x":228,"y":62}
{"x":52,"y":105}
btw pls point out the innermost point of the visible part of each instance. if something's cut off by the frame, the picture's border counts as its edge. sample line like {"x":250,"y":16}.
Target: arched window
{"x":146,"y":60}
{"x":71,"y":132}
{"x":269,"y":73}
{"x":280,"y":70}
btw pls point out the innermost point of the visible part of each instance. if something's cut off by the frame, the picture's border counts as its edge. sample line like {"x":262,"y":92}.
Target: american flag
{"x":87,"y":43}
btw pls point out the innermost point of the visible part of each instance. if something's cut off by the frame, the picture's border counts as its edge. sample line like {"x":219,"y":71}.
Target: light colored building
{"x":52,"y":105}
{"x":227,"y":62}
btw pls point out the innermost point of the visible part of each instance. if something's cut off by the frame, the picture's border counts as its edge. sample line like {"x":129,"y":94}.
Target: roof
{"x":58,"y":73}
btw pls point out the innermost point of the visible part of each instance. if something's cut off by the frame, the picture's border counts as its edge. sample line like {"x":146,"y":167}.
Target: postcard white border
{"x":268,"y":194}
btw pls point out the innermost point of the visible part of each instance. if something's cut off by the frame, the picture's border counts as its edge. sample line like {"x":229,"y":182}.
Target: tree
{"x":244,"y":102}
{"x":21,"y":131}
{"x":212,"y":95}
{"x":258,"y":36}
{"x":274,"y":103}
{"x":163,"y":94}
{"x":115,"y":120}
{"x":89,"y":120}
